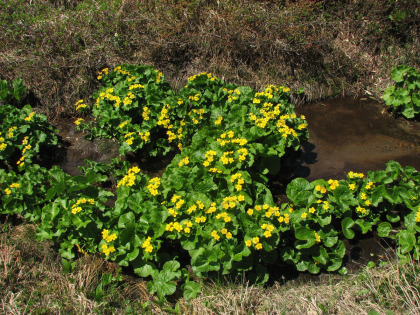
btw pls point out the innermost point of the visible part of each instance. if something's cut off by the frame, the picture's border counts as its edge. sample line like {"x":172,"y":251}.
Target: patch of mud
{"x":78,"y":148}
{"x":355,"y":135}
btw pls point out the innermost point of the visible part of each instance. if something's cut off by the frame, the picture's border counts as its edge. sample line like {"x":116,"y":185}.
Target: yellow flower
{"x":107,"y":250}
{"x":312,"y":210}
{"x":304,"y":215}
{"x":79,"y":121}
{"x":258,"y":246}
{"x":267,"y":234}
{"x":317,"y":238}
{"x":215,"y":235}
{"x":7,"y":191}
{"x":333,"y":184}
{"x":255,"y":240}
{"x":248,"y":243}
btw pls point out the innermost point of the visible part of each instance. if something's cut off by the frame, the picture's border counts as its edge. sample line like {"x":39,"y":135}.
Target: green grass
{"x":32,"y":281}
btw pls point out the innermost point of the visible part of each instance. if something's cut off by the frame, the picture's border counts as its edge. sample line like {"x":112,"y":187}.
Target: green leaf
{"x":407,"y":240}
{"x":384,"y":228}
{"x":191,"y":290}
{"x":346,"y":224}
{"x":398,"y":73}
{"x":299,"y":192}
{"x":146,"y":270}
{"x":126,"y":218}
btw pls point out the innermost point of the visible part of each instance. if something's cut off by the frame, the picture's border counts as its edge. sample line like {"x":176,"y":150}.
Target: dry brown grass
{"x":326,"y":47}
{"x":32,"y":282}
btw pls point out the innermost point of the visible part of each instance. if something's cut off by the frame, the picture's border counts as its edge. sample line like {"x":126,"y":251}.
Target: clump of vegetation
{"x":212,"y":209}
{"x":404,"y":96}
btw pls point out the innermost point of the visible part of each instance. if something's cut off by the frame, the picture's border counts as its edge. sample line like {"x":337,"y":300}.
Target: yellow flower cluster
{"x":361,"y":210}
{"x":159,"y":76}
{"x":215,"y":170}
{"x":102,"y":72}
{"x":256,"y":241}
{"x":317,"y":238}
{"x":148,"y":248}
{"x":107,"y":249}
{"x":124,"y":123}
{"x":215,"y":235}
{"x":226,"y":233}
{"x":351,"y":174}
{"x":209,"y":75}
{"x":321,"y":189}
{"x":80,"y":250}
{"x":418,"y":215}
{"x":225,"y":216}
{"x":153,"y":186}
{"x":129,"y":139}
{"x":146,"y":113}
{"x":135,"y":86}
{"x":209,"y":157}
{"x":233,"y":95}
{"x":333,"y":184}
{"x":198,"y":205}
{"x":212,"y":208}
{"x":196,"y":97}
{"x":2,"y":144}
{"x":200,"y":219}
{"x":231,"y":201}
{"x":184,"y":161}
{"x":225,"y":159}
{"x":198,"y":112}
{"x":108,"y":237}
{"x":10,"y":133}
{"x":129,"y":179}
{"x":226,"y":138}
{"x":79,"y":121}
{"x":269,"y":211}
{"x":369,"y":185}
{"x":128,"y":99}
{"x":80,"y":104}
{"x":218,"y":121}
{"x":145,"y":136}
{"x":243,"y":152}
{"x":164,"y":116}
{"x":76,"y":208}
{"x":268,"y":228}
{"x":28,"y":118}
{"x":119,"y":70}
{"x":240,"y":181}
{"x":21,"y":161}
{"x":285,"y":218}
{"x":108,"y":95}
{"x":178,"y":201}
{"x":26,"y":148}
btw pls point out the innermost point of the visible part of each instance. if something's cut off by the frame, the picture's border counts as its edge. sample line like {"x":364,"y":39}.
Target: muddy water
{"x":348,"y":134}
{"x":78,"y":148}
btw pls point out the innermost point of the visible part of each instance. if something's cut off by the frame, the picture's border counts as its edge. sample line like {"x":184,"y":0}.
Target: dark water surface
{"x":354,"y":135}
